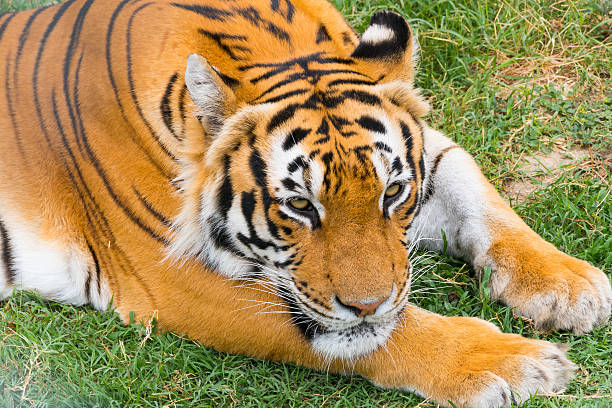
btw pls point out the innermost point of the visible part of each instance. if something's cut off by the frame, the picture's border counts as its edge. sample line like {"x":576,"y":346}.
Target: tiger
{"x":209,"y":162}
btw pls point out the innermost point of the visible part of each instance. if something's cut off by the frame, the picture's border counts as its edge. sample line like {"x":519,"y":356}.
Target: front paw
{"x":556,"y":290}
{"x":510,"y":375}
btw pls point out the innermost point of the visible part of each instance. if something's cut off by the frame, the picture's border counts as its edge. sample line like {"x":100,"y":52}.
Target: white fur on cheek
{"x":192,"y":235}
{"x":450,"y":207}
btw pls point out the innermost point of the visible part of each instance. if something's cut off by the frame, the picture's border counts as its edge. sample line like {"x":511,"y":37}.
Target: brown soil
{"x":543,"y":169}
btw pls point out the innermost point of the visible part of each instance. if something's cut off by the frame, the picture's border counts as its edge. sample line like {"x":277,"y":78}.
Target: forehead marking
{"x":371,"y":124}
{"x":294,"y":137}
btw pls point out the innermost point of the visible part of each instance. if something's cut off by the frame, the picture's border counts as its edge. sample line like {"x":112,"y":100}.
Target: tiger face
{"x":309,"y":189}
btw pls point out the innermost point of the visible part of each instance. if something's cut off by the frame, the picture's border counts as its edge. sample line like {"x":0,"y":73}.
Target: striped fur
{"x":153,"y":153}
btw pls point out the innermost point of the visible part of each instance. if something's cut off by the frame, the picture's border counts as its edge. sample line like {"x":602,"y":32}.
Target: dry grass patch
{"x":536,"y":172}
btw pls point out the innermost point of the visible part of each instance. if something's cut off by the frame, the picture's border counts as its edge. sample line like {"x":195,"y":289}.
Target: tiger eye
{"x":300,"y":204}
{"x":392,"y":190}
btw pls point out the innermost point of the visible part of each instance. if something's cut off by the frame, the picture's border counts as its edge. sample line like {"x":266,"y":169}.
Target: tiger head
{"x":310,"y":188}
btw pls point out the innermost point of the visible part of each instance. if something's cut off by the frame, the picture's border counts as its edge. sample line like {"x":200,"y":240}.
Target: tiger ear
{"x":214,"y":99}
{"x":388,"y":47}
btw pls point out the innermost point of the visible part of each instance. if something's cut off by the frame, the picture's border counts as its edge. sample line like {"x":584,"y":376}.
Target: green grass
{"x":506,"y":79}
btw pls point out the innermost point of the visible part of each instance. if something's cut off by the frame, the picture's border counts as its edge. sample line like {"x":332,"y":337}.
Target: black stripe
{"x":362,"y":96}
{"x":96,"y":267}
{"x":7,"y":255}
{"x":229,"y":49}
{"x":408,"y":143}
{"x":421,"y":166}
{"x":5,"y":24}
{"x":24,"y":36}
{"x":339,"y":123}
{"x":346,"y":38}
{"x":221,"y":237}
{"x":87,"y":286}
{"x":102,"y":174}
{"x":109,"y":33}
{"x":322,"y":35}
{"x":128,"y":51}
{"x":149,"y":207}
{"x":252,"y":15}
{"x":302,"y":62}
{"x":258,"y":168}
{"x":285,"y":95}
{"x":288,"y":80}
{"x":397,"y":165}
{"x":335,"y":60}
{"x":247,"y":205}
{"x":383,"y":146}
{"x":91,"y":209}
{"x":327,"y":158}
{"x":298,"y":162}
{"x":227,"y":80}
{"x":181,"y":107}
{"x":43,"y":42}
{"x":323,"y":130}
{"x":275,"y":6}
{"x":74,"y":40}
{"x":351,"y":82}
{"x":11,"y":110}
{"x":358,"y":150}
{"x":290,"y":10}
{"x":289,"y":184}
{"x":226,"y":194}
{"x":282,"y":116}
{"x":6,"y":13}
{"x":429,"y":189}
{"x":307,"y":326}
{"x":166,"y":110}
{"x":314,"y":75}
{"x":294,"y":137}
{"x":371,"y":124}
{"x":285,"y":64}
{"x":211,"y":13}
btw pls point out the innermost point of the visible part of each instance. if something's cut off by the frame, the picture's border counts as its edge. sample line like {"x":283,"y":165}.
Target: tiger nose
{"x":365,"y":307}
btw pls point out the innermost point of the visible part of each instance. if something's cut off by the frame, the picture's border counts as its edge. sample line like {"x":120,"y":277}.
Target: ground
{"x":522,"y":84}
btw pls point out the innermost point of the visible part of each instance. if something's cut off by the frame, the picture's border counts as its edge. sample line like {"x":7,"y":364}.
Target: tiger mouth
{"x":356,"y":341}
{"x":313,"y":323}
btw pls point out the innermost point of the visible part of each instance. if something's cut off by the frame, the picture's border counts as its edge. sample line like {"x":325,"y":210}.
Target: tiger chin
{"x":258,"y":175}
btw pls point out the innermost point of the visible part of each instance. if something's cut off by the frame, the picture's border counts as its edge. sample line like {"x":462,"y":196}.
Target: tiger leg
{"x":57,"y":269}
{"x":528,"y":273}
{"x":464,"y":360}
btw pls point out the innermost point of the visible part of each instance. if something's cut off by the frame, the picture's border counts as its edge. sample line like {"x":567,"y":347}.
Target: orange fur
{"x":103,"y":153}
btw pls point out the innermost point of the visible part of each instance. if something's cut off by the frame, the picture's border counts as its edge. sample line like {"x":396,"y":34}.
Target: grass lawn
{"x":508,"y":80}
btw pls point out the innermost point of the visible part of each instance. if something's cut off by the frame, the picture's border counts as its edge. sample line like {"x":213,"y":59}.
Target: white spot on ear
{"x":377,"y":33}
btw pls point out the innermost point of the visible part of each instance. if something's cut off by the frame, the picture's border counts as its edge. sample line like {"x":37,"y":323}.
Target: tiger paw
{"x":542,"y":283}
{"x":467,"y":362}
{"x":509,"y":378}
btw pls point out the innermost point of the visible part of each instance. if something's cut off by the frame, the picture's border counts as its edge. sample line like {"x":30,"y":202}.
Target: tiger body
{"x":129,"y":181}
